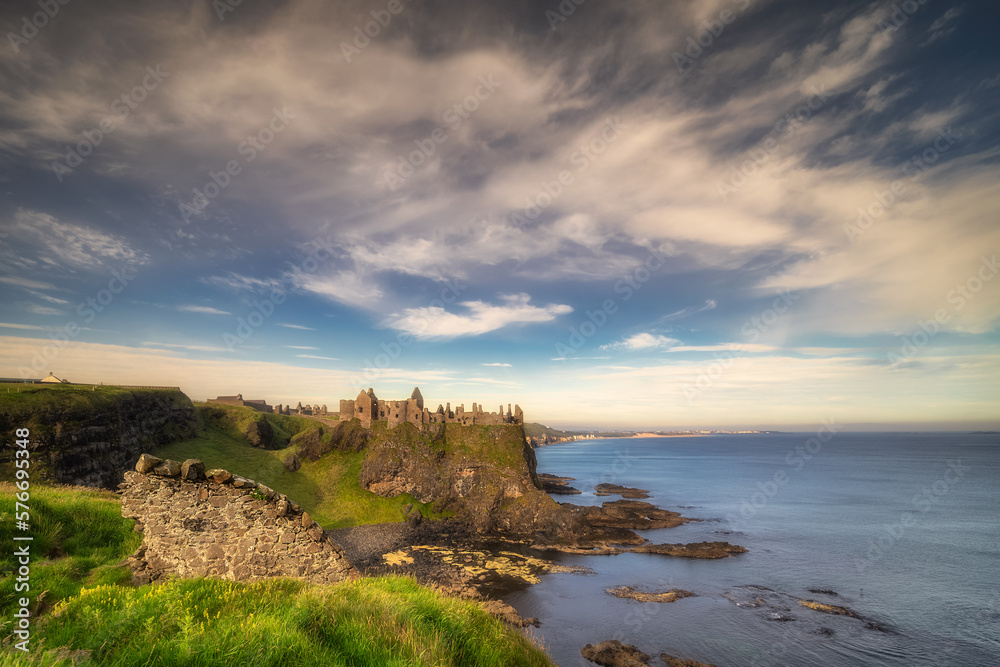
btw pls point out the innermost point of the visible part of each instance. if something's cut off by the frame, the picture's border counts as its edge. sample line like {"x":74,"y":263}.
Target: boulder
{"x":615,"y":654}
{"x":146,"y":463}
{"x":193,"y":470}
{"x":169,"y":468}
{"x":219,"y":476}
{"x":292,"y":462}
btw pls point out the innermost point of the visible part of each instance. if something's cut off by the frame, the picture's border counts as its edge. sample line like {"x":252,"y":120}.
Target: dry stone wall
{"x":216,"y":524}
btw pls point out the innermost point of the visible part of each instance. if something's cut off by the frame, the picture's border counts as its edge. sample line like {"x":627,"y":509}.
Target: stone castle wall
{"x":367,"y":407}
{"x":215,"y":524}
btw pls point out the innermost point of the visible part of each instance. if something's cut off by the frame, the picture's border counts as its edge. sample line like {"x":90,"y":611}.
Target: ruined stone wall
{"x":215,"y":524}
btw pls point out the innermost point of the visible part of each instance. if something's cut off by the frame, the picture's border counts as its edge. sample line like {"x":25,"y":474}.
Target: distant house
{"x":52,"y":379}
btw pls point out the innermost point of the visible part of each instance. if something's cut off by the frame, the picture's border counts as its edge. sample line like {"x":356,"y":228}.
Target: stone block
{"x":306,"y":520}
{"x":219,"y":476}
{"x":169,"y":468}
{"x":147,"y":463}
{"x":193,"y":470}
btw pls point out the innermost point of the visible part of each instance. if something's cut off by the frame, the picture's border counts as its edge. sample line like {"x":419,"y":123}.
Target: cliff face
{"x":90,"y":438}
{"x":483,"y":475}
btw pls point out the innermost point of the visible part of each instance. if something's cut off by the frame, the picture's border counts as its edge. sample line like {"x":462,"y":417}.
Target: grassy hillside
{"x":87,"y":613}
{"x":535,"y":430}
{"x":328,"y":488}
{"x":389,"y":621}
{"x":80,"y":536}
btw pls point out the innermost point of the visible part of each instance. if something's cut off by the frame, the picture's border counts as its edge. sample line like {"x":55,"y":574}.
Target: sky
{"x":630,"y":214}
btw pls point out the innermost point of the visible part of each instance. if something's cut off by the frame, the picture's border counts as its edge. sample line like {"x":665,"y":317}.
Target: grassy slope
{"x":26,"y":400}
{"x":80,"y":534}
{"x":328,"y":489}
{"x":390,"y":621}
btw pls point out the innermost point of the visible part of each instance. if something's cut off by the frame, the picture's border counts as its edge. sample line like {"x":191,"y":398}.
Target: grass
{"x":80,"y":534}
{"x":385,"y":621}
{"x":29,"y":399}
{"x":328,"y":489}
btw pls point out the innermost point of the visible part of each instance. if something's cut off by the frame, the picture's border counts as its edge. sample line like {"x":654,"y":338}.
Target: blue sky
{"x":632,"y":215}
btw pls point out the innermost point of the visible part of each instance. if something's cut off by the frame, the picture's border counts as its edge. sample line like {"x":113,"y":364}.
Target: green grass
{"x":328,"y":489}
{"x":386,"y":621}
{"x":27,"y":399}
{"x":79,"y":537}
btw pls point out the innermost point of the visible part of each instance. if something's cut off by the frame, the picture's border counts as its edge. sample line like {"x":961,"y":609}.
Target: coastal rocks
{"x":630,"y":593}
{"x":623,"y":491}
{"x":480,"y":569}
{"x":615,"y":654}
{"x":198,"y":524}
{"x":696,"y":550}
{"x":671,"y":661}
{"x":630,"y":514}
{"x":830,"y":609}
{"x":556,"y":485}
{"x":777,"y":606}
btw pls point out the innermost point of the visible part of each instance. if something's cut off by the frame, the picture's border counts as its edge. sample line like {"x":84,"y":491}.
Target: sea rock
{"x":631,"y":593}
{"x":623,"y":491}
{"x":615,"y":654}
{"x":677,"y":662}
{"x":695,"y":550}
{"x":146,"y":463}
{"x":556,"y":485}
{"x":830,"y":609}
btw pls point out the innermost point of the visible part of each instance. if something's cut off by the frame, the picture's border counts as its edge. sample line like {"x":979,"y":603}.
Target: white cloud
{"x":60,"y":244}
{"x":313,"y":356}
{"x":300,"y":347}
{"x":346,"y":287}
{"x":296,"y":326}
{"x":195,"y":348}
{"x":26,"y":282}
{"x":498,"y":365}
{"x":43,"y":310}
{"x":642,"y":341}
{"x":207,"y":310}
{"x":481,"y":318}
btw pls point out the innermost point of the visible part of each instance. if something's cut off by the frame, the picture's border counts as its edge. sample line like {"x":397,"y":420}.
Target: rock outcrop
{"x":198,"y":523}
{"x":91,"y":437}
{"x":615,"y":654}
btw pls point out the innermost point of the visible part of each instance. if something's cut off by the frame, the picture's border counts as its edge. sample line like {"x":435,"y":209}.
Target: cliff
{"x":90,"y":436}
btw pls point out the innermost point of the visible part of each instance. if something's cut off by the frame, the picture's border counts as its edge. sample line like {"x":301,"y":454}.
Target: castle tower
{"x":418,"y":397}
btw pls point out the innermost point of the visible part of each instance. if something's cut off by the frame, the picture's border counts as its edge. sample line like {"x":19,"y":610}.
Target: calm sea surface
{"x":902,"y":526}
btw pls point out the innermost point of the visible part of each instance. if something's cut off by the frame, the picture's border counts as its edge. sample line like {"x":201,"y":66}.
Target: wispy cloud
{"x":206,"y":310}
{"x":180,"y":346}
{"x":498,"y":365}
{"x":642,"y":341}
{"x":299,"y":347}
{"x":295,"y":326}
{"x":26,"y":282}
{"x":313,"y":356}
{"x":480,"y":318}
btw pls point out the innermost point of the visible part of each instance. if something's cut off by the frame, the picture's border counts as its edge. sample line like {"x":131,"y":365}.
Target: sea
{"x":901,"y":528}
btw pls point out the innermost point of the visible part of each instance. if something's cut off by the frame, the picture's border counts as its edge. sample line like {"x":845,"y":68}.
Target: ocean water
{"x":904,"y":527}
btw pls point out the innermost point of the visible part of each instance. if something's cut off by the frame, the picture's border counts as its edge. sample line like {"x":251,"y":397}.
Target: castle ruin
{"x":367,"y":407}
